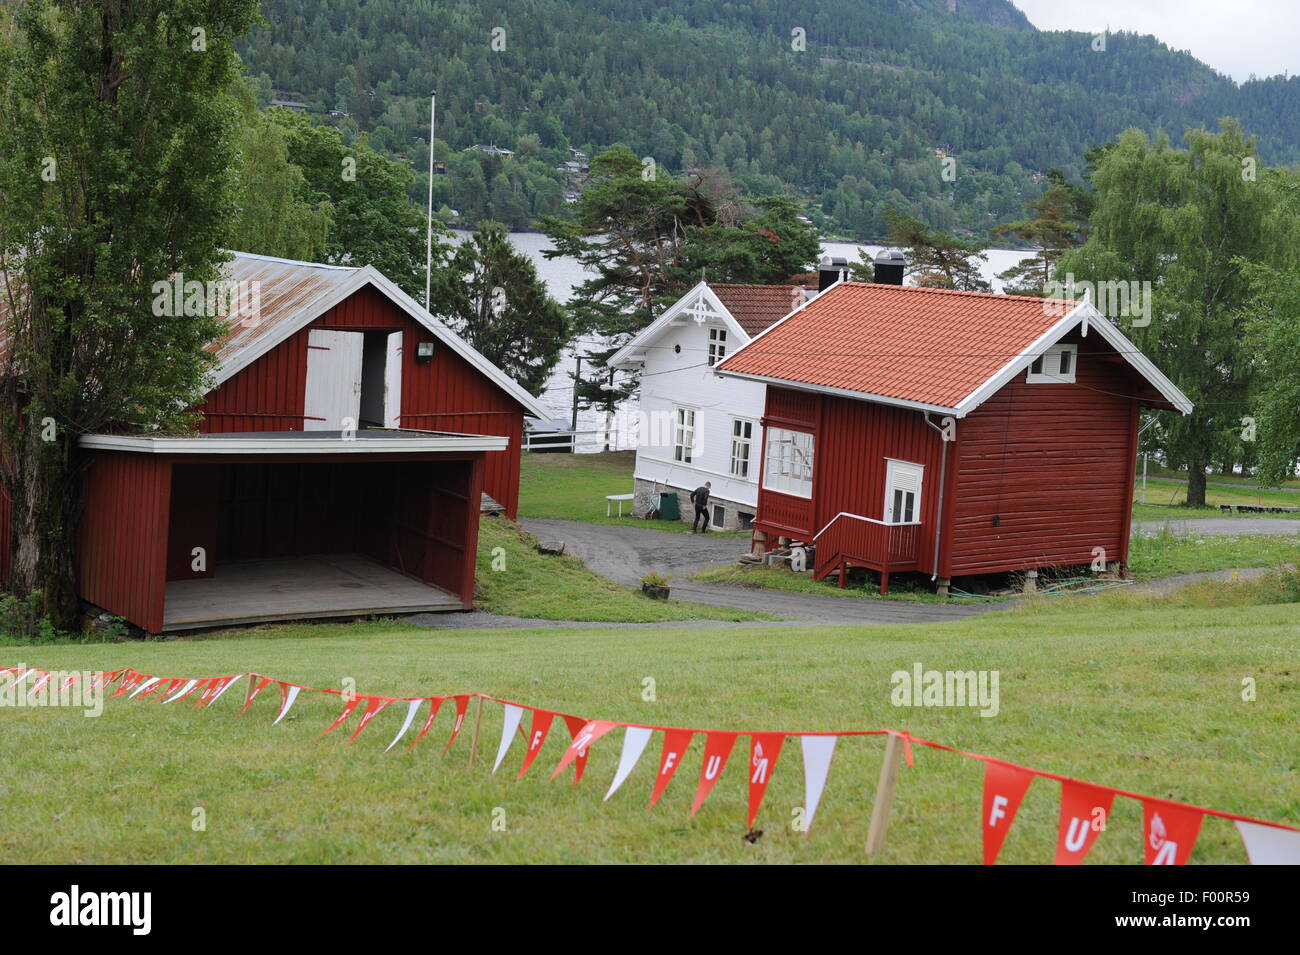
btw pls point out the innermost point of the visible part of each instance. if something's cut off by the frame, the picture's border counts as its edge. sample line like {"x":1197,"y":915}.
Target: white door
{"x":333,"y":380}
{"x":393,"y":382}
{"x":902,"y":492}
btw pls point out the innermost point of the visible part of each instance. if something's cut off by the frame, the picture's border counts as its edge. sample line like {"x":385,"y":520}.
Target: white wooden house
{"x":694,"y":425}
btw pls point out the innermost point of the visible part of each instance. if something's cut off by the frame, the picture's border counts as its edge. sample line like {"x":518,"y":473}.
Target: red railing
{"x":851,"y":538}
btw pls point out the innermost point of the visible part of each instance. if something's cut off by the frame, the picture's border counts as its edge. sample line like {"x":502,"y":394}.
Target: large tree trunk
{"x":1196,"y":484}
{"x":46,"y":510}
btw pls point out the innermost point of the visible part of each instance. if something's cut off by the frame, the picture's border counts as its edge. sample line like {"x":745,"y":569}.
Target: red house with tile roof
{"x":338,"y":470}
{"x":949,"y":433}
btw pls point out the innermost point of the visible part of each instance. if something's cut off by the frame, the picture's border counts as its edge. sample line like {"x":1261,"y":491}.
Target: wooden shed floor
{"x":297,"y":588}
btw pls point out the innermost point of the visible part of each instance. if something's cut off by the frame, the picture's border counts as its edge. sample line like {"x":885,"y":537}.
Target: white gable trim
{"x":632,"y":353}
{"x":362,"y":277}
{"x":1086,"y":314}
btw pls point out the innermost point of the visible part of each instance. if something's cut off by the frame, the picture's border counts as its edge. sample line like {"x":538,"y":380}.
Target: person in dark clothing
{"x":700,"y":498}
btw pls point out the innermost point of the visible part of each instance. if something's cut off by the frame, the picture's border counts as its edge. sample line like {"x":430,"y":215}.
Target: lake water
{"x":562,"y":275}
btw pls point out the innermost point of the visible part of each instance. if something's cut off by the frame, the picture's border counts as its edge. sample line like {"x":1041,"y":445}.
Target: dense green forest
{"x":851,"y":123}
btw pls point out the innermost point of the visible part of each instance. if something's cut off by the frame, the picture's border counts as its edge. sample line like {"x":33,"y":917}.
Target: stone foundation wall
{"x":647,"y":499}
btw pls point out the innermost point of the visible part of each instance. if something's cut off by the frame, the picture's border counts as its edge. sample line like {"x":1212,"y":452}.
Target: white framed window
{"x":742,"y":437}
{"x":684,"y":435}
{"x":1057,"y":364}
{"x":717,"y":345}
{"x":789,"y":464}
{"x":903,"y":481}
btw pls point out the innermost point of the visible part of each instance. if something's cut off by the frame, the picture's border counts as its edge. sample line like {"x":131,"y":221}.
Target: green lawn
{"x":1166,"y":554}
{"x":1165,"y":499}
{"x":572,"y":487}
{"x":1139,"y":694}
{"x":1155,"y":470}
{"x":514,"y":579}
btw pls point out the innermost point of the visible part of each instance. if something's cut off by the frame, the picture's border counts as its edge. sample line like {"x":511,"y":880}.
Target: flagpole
{"x":428,"y":236}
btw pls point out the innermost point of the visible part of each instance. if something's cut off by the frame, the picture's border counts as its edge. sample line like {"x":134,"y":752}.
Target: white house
{"x":694,"y":425}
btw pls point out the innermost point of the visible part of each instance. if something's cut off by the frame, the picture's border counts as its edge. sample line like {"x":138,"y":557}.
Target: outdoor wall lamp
{"x":423,"y":351}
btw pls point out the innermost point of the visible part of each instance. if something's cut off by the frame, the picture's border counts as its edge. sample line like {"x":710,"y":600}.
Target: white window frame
{"x":717,"y":344}
{"x":909,"y":478}
{"x":683,"y":434}
{"x":745,"y":440}
{"x":1046,"y":368}
{"x":789,"y":461}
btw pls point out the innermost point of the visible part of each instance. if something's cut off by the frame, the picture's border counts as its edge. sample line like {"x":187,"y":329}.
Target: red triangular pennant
{"x":575,"y":724}
{"x":462,"y":707}
{"x":1004,"y":790}
{"x":764,"y":748}
{"x":255,"y":686}
{"x":541,"y":725}
{"x":434,"y":705}
{"x":1168,"y":832}
{"x":130,"y":683}
{"x":351,"y":705}
{"x":717,"y":747}
{"x":675,"y":743}
{"x":373,"y":708}
{"x":208,"y":686}
{"x":1084,"y":812}
{"x":591,"y":731}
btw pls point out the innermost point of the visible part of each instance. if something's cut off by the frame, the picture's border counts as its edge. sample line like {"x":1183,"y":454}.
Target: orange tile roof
{"x":932,"y":346}
{"x":758,"y":307}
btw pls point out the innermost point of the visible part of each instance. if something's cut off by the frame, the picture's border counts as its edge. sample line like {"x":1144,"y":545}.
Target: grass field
{"x":514,"y":579}
{"x":1142,"y":694}
{"x":572,"y":487}
{"x":1161,"y":555}
{"x":1166,"y":500}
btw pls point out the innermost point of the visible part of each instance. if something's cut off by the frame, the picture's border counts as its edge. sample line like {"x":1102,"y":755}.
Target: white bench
{"x":611,"y":498}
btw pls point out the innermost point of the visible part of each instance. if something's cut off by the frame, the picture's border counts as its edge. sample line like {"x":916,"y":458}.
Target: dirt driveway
{"x":625,"y":554}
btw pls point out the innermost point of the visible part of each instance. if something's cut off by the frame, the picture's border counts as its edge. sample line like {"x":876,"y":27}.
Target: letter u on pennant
{"x":717,"y":747}
{"x":1079,"y":805}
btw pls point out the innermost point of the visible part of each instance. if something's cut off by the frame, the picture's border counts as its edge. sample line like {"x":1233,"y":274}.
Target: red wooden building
{"x":338,"y":469}
{"x":950,"y":433}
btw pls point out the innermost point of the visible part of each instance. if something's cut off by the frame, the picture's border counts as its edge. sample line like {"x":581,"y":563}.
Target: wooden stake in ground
{"x":884,"y":795}
{"x":478,"y":721}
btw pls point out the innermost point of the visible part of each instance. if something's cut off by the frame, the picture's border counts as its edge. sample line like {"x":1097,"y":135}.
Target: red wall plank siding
{"x":445,"y":393}
{"x":849,"y":466}
{"x":123,"y":549}
{"x":1046,"y":471}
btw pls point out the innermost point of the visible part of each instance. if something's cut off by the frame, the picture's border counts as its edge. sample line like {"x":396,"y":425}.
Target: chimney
{"x":889,"y":266}
{"x":831,"y":271}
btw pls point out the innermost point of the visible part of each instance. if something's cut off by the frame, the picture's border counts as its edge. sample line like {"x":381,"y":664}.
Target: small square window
{"x":719,"y":515}
{"x":1055,"y":366}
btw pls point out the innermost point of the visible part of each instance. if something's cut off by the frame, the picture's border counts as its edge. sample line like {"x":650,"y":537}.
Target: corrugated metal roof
{"x":285,"y":290}
{"x":930,"y":346}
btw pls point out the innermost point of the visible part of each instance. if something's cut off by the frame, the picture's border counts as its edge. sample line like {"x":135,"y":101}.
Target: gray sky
{"x":1237,"y":38}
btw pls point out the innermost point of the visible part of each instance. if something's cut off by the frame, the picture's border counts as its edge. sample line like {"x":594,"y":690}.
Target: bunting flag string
{"x":1169,"y":828}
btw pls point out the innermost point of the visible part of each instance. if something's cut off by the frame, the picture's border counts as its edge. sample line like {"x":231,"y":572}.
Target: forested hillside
{"x":851,"y":123}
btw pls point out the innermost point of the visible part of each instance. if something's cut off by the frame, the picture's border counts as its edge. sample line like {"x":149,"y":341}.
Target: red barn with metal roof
{"x":953,"y":433}
{"x":337,"y":471}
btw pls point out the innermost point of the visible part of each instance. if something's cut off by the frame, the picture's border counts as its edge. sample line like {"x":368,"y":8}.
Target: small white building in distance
{"x":696,"y":426}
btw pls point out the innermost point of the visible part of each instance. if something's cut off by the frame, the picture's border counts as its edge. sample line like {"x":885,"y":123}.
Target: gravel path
{"x":625,"y":554}
{"x":1222,"y":526}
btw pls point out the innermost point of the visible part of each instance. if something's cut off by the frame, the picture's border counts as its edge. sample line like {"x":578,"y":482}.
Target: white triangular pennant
{"x":233,"y":681}
{"x":182,"y":691}
{"x":509,"y":726}
{"x":288,"y":702}
{"x":144,"y":686}
{"x":406,"y":724}
{"x":1270,"y":845}
{"x":817,"y":753}
{"x":634,"y":741}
